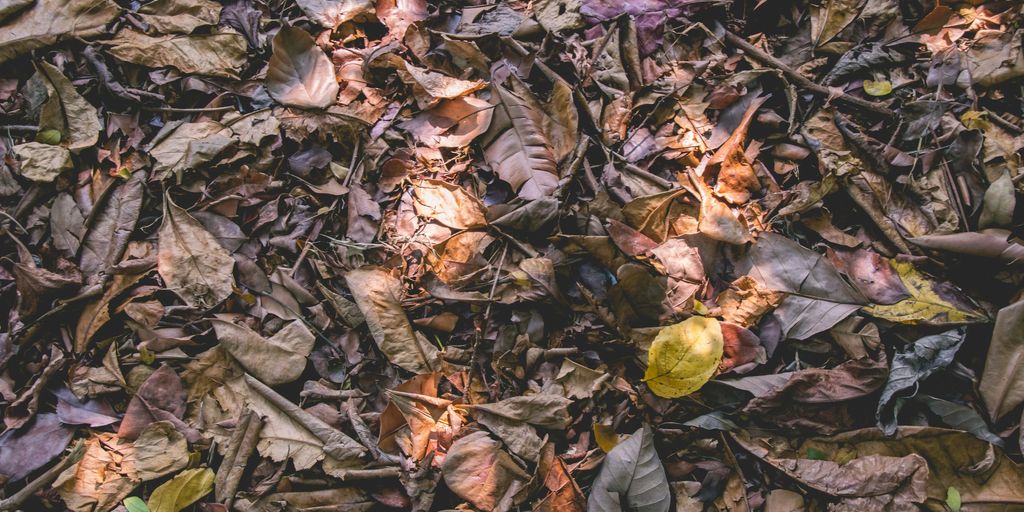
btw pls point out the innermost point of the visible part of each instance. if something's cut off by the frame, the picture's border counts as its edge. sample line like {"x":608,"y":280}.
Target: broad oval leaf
{"x":684,"y":356}
{"x":931,"y":302}
{"x":631,"y":478}
{"x":299,"y":73}
{"x":191,"y":261}
{"x":181,"y":491}
{"x":517,"y":148}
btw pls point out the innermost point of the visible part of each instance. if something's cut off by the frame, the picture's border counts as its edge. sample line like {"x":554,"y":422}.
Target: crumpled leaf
{"x":819,"y":400}
{"x":331,"y":13}
{"x":220,"y":54}
{"x":102,"y":478}
{"x":158,"y":451}
{"x":42,"y":162}
{"x":480,"y":472}
{"x":511,"y":420}
{"x":448,"y":204}
{"x":180,"y":16}
{"x":989,"y":243}
{"x":684,"y":356}
{"x":925,"y":357}
{"x":191,"y":262}
{"x":985,"y":477}
{"x":180,"y":145}
{"x":378,"y":295}
{"x":451,"y":123}
{"x":113,"y":224}
{"x":832,"y":17}
{"x":931,"y":302}
{"x":1002,"y":382}
{"x":66,"y":111}
{"x":276,"y":360}
{"x":631,"y":478}
{"x":181,"y":491}
{"x":67,"y":224}
{"x":429,"y":87}
{"x":160,"y":398}
{"x":300,"y":74}
{"x":49,"y":21}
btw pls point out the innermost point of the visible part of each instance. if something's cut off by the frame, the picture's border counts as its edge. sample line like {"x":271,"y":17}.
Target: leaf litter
{"x":559,"y":255}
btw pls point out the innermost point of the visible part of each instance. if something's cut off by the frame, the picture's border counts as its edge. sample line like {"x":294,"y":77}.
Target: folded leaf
{"x":631,"y":478}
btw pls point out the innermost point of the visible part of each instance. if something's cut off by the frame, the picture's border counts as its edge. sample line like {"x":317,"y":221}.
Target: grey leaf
{"x":927,"y":356}
{"x":631,"y":478}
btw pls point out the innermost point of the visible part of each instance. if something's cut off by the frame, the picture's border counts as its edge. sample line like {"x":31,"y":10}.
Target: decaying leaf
{"x":631,"y":477}
{"x":927,"y":356}
{"x":378,"y":295}
{"x":49,"y":21}
{"x":220,"y":54}
{"x":191,"y":261}
{"x":299,"y":73}
{"x":480,"y":472}
{"x":930,"y":303}
{"x":276,"y":360}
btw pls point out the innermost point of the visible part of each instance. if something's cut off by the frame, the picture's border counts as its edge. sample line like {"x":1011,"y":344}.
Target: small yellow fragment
{"x":879,"y":88}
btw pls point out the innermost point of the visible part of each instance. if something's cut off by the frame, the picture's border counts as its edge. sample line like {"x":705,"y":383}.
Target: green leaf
{"x":135,"y":504}
{"x":183,"y":490}
{"x":684,"y":356}
{"x":953,"y":499}
{"x":631,"y":478}
{"x":816,"y":454}
{"x":51,"y":137}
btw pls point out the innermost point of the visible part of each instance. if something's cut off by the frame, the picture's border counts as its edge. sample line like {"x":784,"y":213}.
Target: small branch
{"x":1003,"y":123}
{"x":802,"y":81}
{"x":240,"y":448}
{"x":19,"y":128}
{"x":14,"y":502}
{"x":198,"y":110}
{"x":370,"y":474}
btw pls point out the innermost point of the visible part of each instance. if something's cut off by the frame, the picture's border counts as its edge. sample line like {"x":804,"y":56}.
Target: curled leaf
{"x":631,"y":478}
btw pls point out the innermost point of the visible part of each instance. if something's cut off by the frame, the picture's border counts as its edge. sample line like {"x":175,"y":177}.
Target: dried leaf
{"x":930,"y":303}
{"x":631,"y":478}
{"x":220,"y":54}
{"x":516,"y":147}
{"x":1002,"y":382}
{"x":191,"y":262}
{"x":180,"y":16}
{"x":276,"y":360}
{"x":480,"y":472}
{"x":378,"y":295}
{"x":49,"y":21}
{"x":66,"y":111}
{"x":300,"y":74}
{"x":42,"y":162}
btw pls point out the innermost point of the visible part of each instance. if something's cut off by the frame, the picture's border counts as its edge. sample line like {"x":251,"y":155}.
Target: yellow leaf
{"x":684,"y":356}
{"x":974,"y":120}
{"x":181,"y":491}
{"x":930,"y":302}
{"x":605,"y":436}
{"x":879,"y":88}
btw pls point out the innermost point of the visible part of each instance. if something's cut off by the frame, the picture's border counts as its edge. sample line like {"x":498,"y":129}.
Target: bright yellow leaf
{"x":879,"y":88}
{"x":930,"y":302}
{"x":974,"y":120}
{"x":684,"y":356}
{"x":605,"y":436}
{"x":181,"y":491}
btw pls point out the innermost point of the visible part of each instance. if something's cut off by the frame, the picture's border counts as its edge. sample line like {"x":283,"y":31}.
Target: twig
{"x":802,"y":81}
{"x":198,"y":110}
{"x":19,"y":128}
{"x":1003,"y":123}
{"x":15,"y":500}
{"x":369,"y":474}
{"x":240,"y":447}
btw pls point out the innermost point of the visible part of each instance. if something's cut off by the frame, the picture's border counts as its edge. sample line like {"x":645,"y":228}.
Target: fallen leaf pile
{"x":547,"y":255}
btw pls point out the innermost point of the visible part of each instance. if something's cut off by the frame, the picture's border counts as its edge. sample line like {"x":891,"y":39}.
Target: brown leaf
{"x":516,"y":147}
{"x":378,"y":295}
{"x":480,"y":472}
{"x":191,"y":262}
{"x":300,"y":74}
{"x":220,"y":54}
{"x":48,"y":21}
{"x":276,"y":360}
{"x":160,"y":398}
{"x":823,"y":400}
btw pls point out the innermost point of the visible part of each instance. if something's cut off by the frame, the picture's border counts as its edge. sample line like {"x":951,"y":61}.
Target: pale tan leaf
{"x":379,"y":295}
{"x":180,"y":16}
{"x":300,"y":74}
{"x":517,"y":149}
{"x":191,"y":261}
{"x":67,"y":111}
{"x":42,"y":162}
{"x":276,"y":360}
{"x":49,"y":21}
{"x":331,"y":13}
{"x":220,"y":54}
